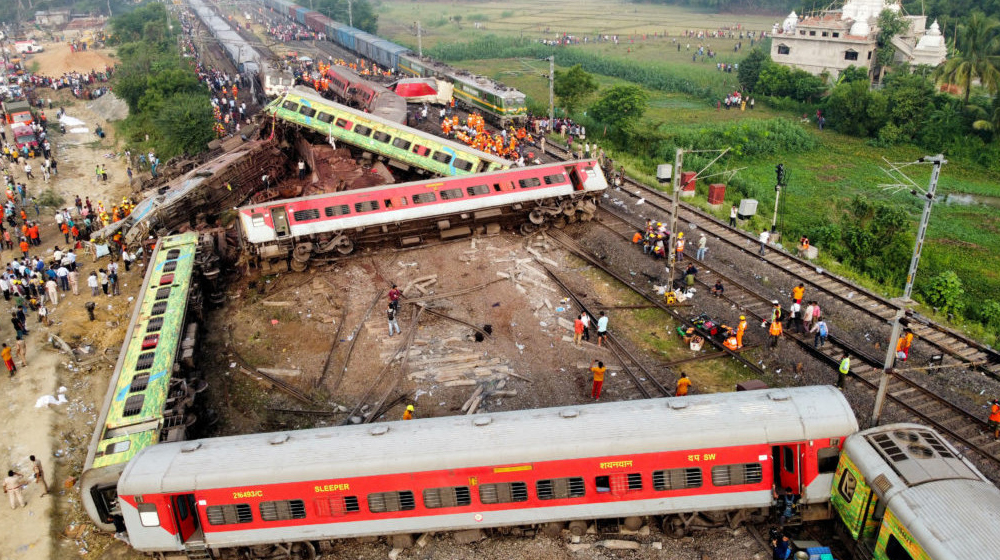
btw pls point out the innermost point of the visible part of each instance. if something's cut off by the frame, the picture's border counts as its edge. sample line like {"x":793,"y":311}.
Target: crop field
{"x":964,"y":233}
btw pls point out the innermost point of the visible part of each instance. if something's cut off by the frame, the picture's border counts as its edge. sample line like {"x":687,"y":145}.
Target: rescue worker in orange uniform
{"x":680,"y":247}
{"x":995,"y":418}
{"x":775,"y":331}
{"x":741,"y":329}
{"x":408,"y":415}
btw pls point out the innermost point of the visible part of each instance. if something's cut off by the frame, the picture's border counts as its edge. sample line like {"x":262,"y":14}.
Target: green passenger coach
{"x":904,"y":493}
{"x":145,"y":402}
{"x":402,"y":146}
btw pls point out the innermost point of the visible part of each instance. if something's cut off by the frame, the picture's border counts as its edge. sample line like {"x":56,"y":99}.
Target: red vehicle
{"x":24,"y":136}
{"x":694,"y":461}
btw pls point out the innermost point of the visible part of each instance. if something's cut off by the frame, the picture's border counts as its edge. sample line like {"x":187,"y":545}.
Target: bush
{"x":944,"y":292}
{"x":989,"y":314}
{"x":50,"y":198}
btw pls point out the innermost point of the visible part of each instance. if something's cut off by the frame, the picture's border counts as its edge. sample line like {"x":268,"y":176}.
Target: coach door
{"x":280,"y":221}
{"x":787,"y":467}
{"x":186,"y":517}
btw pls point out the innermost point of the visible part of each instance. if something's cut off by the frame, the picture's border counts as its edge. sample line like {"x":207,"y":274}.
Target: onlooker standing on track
{"x":798,"y":292}
{"x":821,"y":331}
{"x":394,"y":295}
{"x":393,"y":322}
{"x":764,"y":237}
{"x":732,"y":216}
{"x":807,"y":317}
{"x":577,"y":331}
{"x":702,"y":248}
{"x":844,"y":370}
{"x":8,"y":359}
{"x":795,"y":314}
{"x":585,"y":319}
{"x":598,"y":369}
{"x":36,"y":466}
{"x":683,"y":384}
{"x":602,"y":329}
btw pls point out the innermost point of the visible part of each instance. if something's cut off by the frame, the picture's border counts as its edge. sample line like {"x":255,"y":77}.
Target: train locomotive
{"x":904,"y":493}
{"x":706,"y":460}
{"x":500,"y":104}
{"x":333,"y":224}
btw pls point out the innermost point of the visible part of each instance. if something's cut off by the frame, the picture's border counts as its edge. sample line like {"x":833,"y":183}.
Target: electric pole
{"x":552,"y":90}
{"x":420,"y":41}
{"x":890,"y":354}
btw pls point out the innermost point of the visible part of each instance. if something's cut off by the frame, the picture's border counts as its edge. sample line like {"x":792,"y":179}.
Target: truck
{"x":28,"y":47}
{"x":24,"y":136}
{"x":18,"y":112}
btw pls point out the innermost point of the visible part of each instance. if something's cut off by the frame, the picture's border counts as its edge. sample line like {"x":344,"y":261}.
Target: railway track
{"x":964,"y":429}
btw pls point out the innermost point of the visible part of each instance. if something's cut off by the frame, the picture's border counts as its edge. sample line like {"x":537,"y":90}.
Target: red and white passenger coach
{"x":312,"y":226}
{"x":687,"y":460}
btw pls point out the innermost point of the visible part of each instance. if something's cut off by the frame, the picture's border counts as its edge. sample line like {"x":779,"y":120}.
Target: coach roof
{"x":619,"y":428}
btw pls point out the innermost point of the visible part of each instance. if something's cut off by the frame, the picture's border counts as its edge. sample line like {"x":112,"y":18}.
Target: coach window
{"x":306,"y":215}
{"x":424,"y":197}
{"x":307,"y":111}
{"x":677,"y":479}
{"x":462,"y":165}
{"x":139,"y":383}
{"x":451,"y":194}
{"x":133,"y":405}
{"x":559,"y":488}
{"x":148,"y":516}
{"x":503,"y":493}
{"x":827,"y":459}
{"x":451,"y":496}
{"x":145,"y":360}
{"x":343,"y":123}
{"x":257,"y":220}
{"x":619,"y":483}
{"x":231,"y":514}
{"x":382,"y":502}
{"x":441,"y":157}
{"x":530,"y":182}
{"x":382,"y":137}
{"x":477,"y":190}
{"x":847,"y":486}
{"x":366,"y":206}
{"x":896,"y":551}
{"x":401,"y":143}
{"x":420,"y":150}
{"x":338,"y":210}
{"x":324,"y":117}
{"x":336,"y":506}
{"x":282,"y":510}
{"x":362,"y":130}
{"x":290,"y":105}
{"x":556,"y":179}
{"x":504,"y":186}
{"x":733,"y":475}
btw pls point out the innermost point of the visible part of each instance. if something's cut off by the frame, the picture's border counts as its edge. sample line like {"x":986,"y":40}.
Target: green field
{"x":964,"y":234}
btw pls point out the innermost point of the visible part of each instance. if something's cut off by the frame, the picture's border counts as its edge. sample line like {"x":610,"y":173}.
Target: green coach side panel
{"x":849,"y":495}
{"x":892,"y":526}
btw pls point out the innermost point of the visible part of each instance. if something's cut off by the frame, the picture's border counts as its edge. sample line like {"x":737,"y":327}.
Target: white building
{"x":837,"y":39}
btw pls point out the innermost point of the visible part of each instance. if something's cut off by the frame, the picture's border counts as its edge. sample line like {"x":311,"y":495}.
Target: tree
{"x":853,"y":109}
{"x":911,"y":99}
{"x":185,"y":124}
{"x":750,"y":67}
{"x":621,"y":106}
{"x":572,"y":87}
{"x":853,"y":74}
{"x":977,"y":55}
{"x":889,"y":25}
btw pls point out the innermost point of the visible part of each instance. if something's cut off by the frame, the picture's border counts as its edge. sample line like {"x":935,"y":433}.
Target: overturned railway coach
{"x":331,"y":224}
{"x":701,"y":460}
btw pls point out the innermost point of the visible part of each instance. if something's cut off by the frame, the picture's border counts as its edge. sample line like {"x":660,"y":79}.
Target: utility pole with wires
{"x":552,"y":90}
{"x":678,"y":162}
{"x":905,"y":183}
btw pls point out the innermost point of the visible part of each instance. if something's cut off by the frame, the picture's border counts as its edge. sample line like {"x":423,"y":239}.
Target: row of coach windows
{"x":151,"y":337}
{"x":424,"y":198}
{"x":493,"y":493}
{"x":378,"y":136}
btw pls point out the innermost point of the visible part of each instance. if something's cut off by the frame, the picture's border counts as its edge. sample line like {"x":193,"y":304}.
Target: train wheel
{"x":578,"y":527}
{"x":304,"y":550}
{"x":559,"y":222}
{"x":301,"y":253}
{"x":674,"y":527}
{"x":553,"y":529}
{"x":537,"y":217}
{"x":571,"y":219}
{"x":633,"y":523}
{"x":568,"y":207}
{"x":299,"y":266}
{"x":345,"y":246}
{"x":528,"y":229}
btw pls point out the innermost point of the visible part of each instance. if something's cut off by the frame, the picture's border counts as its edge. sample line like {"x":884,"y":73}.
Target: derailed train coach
{"x":687,"y":462}
{"x":328,"y":225}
